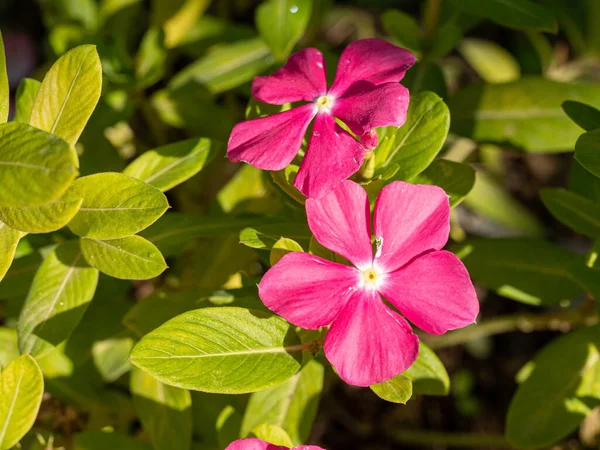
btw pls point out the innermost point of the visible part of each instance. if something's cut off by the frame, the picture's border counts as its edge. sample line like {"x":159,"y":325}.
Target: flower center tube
{"x":324,"y":103}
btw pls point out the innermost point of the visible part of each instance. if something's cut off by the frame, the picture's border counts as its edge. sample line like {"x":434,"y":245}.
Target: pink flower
{"x":257,"y":444}
{"x":365,"y":94}
{"x":368,"y":342}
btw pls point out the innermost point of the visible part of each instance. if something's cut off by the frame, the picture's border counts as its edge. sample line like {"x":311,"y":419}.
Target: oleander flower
{"x":368,"y":342}
{"x":365,"y":94}
{"x":257,"y":444}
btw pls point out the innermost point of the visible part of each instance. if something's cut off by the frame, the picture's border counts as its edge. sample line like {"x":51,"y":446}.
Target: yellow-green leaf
{"x":4,"y":89}
{"x":9,"y":239}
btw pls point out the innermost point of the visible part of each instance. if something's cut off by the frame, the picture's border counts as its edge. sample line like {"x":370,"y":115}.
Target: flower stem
{"x":429,"y":439}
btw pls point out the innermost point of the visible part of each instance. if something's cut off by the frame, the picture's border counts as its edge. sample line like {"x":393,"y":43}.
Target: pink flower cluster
{"x":257,"y":444}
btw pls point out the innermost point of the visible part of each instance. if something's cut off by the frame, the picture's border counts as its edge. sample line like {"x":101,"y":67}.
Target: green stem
{"x":431,"y":18}
{"x":429,"y":439}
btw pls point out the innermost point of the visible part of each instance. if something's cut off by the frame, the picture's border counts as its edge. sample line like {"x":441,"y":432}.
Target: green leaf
{"x":403,"y":28}
{"x":130,"y":258}
{"x":281,"y":23}
{"x":42,"y":219}
{"x":61,"y":291}
{"x":583,"y":182}
{"x":491,"y":61}
{"x":587,"y":151}
{"x":151,"y":58}
{"x":35,"y":167}
{"x":223,"y":350}
{"x":575,"y":211}
{"x":285,"y":180}
{"x":9,"y":239}
{"x":583,"y":115}
{"x":526,"y":113}
{"x":115,"y":206}
{"x":526,"y":270}
{"x":414,"y":145}
{"x":457,"y":179}
{"x":560,"y":392}
{"x":177,"y":17}
{"x":9,"y":347}
{"x":291,"y":405}
{"x":99,"y":440}
{"x":428,"y":374}
{"x":396,"y":390}
{"x":263,"y":237}
{"x":519,"y":14}
{"x":17,"y":280}
{"x":282,"y":247}
{"x":273,"y":434}
{"x":167,"y":166}
{"x":25,"y":98}
{"x":68,"y":94}
{"x":111,"y":357}
{"x":21,"y":390}
{"x":4,"y":88}
{"x":165,"y":411}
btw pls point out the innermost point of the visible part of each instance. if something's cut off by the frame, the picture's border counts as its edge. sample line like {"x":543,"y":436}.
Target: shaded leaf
{"x":9,"y":239}
{"x":111,"y":357}
{"x":25,"y":98}
{"x":491,"y":61}
{"x":586,"y":116}
{"x":99,"y":440}
{"x":403,"y":28}
{"x":177,"y":17}
{"x":457,"y":179}
{"x":587,"y":151}
{"x":428,"y":374}
{"x":575,"y":211}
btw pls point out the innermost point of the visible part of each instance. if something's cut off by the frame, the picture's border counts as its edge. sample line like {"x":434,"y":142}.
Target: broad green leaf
{"x":583,"y":115}
{"x":247,"y":184}
{"x":457,"y":179}
{"x":575,"y":211}
{"x":68,"y":94}
{"x":397,"y":390}
{"x":9,"y":347}
{"x":281,"y":23}
{"x":414,"y":145}
{"x":165,"y":411}
{"x":99,"y":440}
{"x":491,"y":61}
{"x":166,"y":167}
{"x":115,"y":206}
{"x":428,"y":374}
{"x":61,"y":291}
{"x":21,"y":390}
{"x":9,"y":239}
{"x":177,"y":17}
{"x":42,"y":219}
{"x":526,"y":270}
{"x":25,"y":98}
{"x":35,"y":167}
{"x":560,"y":392}
{"x":587,"y":151}
{"x":130,"y":258}
{"x":271,"y":433}
{"x":4,"y":89}
{"x":223,"y":350}
{"x":583,"y":182}
{"x":282,"y":247}
{"x":226,"y":66}
{"x":403,"y":28}
{"x":519,"y":14}
{"x":292,"y":405}
{"x":525,"y":113}
{"x":263,"y":237}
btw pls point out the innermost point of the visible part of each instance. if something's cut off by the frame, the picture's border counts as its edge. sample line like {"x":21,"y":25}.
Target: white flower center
{"x":324,"y":103}
{"x":371,"y":279}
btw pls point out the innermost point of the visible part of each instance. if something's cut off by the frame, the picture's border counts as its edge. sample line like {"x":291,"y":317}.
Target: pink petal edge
{"x":253,"y":444}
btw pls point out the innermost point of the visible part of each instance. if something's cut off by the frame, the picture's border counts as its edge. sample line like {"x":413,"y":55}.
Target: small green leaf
{"x":99,"y":440}
{"x":414,"y":145}
{"x":68,"y":94}
{"x":151,"y":58}
{"x":272,"y":434}
{"x":526,"y":270}
{"x":575,"y":211}
{"x":111,"y":357}
{"x":559,"y":393}
{"x":9,"y":239}
{"x":281,"y":23}
{"x":61,"y":291}
{"x":586,"y":116}
{"x":457,"y":179}
{"x":177,"y":17}
{"x":282,"y":247}
{"x":35,"y":167}
{"x":491,"y":61}
{"x":396,"y":390}
{"x":4,"y":88}
{"x":25,"y":98}
{"x":115,"y":206}
{"x":222,"y":350}
{"x":165,"y":411}
{"x":130,"y":258}
{"x":21,"y":390}
{"x":166,"y":167}
{"x":42,"y":219}
{"x":403,"y":28}
{"x":17,"y":280}
{"x":285,"y":180}
{"x":291,"y":405}
{"x":428,"y":374}
{"x":519,"y":14}
{"x":583,"y":182}
{"x":587,"y":151}
{"x":263,"y":237}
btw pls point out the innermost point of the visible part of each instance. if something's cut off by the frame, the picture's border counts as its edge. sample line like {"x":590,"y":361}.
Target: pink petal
{"x":302,"y":78}
{"x":373,"y":60}
{"x":253,"y":444}
{"x":366,"y":106}
{"x":341,"y":221}
{"x":332,"y":156}
{"x":434,"y":292}
{"x":308,"y":447}
{"x":270,"y":143}
{"x":307,"y":290}
{"x":409,"y":220}
{"x":369,"y":343}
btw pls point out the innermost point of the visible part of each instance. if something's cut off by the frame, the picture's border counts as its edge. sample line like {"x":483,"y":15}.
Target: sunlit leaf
{"x":4,"y":89}
{"x":9,"y":239}
{"x":491,"y":61}
{"x":25,"y":98}
{"x":396,"y":390}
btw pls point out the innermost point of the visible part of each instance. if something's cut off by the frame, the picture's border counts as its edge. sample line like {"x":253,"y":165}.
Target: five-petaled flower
{"x":257,"y":444}
{"x":365,"y":94}
{"x":368,"y":342}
